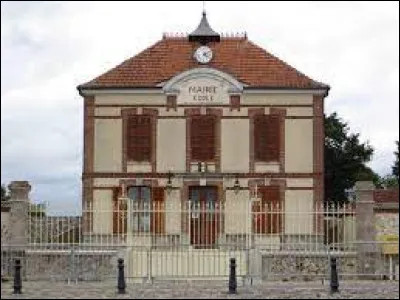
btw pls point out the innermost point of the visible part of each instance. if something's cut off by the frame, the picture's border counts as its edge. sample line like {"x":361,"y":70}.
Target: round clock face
{"x":203,"y":54}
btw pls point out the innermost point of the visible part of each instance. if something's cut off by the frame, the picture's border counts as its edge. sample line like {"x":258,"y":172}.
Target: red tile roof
{"x":386,"y":196}
{"x":238,"y":57}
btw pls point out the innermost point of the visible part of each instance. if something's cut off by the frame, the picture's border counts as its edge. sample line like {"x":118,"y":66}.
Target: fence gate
{"x":197,"y":250}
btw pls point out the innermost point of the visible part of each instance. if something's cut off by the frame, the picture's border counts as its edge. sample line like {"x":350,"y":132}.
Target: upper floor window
{"x":267,"y":138}
{"x":202,"y":137}
{"x":139,"y":146}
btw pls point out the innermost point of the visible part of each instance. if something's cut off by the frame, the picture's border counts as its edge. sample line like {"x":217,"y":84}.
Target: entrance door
{"x":204,"y":216}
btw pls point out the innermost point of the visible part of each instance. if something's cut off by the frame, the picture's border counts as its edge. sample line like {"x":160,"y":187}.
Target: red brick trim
{"x":171,"y":102}
{"x":88,"y":142}
{"x":299,"y":117}
{"x":252,"y":112}
{"x":234,"y":102}
{"x":154,"y":182}
{"x":318,"y":147}
{"x":5,"y":209}
{"x":126,"y":183}
{"x":87,"y":205}
{"x":134,"y":111}
{"x":386,"y":210}
{"x":300,"y":188}
{"x":165,"y":175}
{"x":222,"y":117}
{"x":88,"y":163}
{"x":189,"y":106}
{"x":108,"y":117}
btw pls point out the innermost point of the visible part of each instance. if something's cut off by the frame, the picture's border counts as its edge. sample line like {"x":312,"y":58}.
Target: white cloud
{"x":48,"y":48}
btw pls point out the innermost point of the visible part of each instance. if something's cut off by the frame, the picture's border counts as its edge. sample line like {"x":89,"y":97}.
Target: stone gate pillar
{"x":19,"y":202}
{"x":365,"y":228}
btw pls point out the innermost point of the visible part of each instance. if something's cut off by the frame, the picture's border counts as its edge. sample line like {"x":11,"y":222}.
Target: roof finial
{"x":204,"y":33}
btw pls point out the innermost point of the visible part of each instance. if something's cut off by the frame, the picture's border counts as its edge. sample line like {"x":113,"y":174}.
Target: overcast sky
{"x":48,"y":48}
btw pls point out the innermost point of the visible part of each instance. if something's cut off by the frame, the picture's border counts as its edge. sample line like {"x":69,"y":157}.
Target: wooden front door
{"x":204,"y":216}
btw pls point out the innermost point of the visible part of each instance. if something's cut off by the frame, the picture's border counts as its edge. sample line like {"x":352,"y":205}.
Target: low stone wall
{"x":62,"y":265}
{"x":305,"y":266}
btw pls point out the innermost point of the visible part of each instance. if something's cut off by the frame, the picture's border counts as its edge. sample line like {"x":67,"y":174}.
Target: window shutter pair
{"x":202,"y":137}
{"x":139,"y":138}
{"x":267,"y":138}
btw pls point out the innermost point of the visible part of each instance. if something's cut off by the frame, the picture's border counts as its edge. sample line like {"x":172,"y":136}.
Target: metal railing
{"x":182,"y":240}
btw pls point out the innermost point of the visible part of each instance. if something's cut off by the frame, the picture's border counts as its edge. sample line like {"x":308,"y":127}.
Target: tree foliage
{"x":4,"y":195}
{"x":395,"y":167}
{"x":345,"y":159}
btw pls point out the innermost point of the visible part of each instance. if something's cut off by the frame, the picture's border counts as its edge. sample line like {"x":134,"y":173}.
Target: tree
{"x":345,"y":160}
{"x":395,"y":167}
{"x":388,"y":181}
{"x":4,"y":195}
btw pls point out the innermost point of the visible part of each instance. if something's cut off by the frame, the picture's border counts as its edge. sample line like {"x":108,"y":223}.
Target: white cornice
{"x":157,"y":91}
{"x":138,"y":91}
{"x":205,"y":72}
{"x":284,"y":91}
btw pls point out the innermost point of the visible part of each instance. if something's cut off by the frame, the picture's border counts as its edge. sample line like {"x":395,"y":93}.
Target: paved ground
{"x":190,"y":290}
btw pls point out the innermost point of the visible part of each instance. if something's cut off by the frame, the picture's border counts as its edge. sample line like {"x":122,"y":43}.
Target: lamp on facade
{"x":169,"y":182}
{"x":236,"y":185}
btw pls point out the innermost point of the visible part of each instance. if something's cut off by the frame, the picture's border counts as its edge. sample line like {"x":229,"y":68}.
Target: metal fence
{"x":193,"y":240}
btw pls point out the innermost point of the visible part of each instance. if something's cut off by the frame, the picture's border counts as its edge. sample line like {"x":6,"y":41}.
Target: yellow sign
{"x":390,"y":243}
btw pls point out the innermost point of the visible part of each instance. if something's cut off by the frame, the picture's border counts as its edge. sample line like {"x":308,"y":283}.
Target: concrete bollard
{"x":121,"y":277}
{"x":334,"y":276}
{"x":17,"y":277}
{"x":232,"y":276}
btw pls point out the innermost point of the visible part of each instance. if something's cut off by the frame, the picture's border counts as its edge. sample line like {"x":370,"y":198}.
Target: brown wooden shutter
{"x":268,"y":213}
{"x":202,"y":138}
{"x":119,"y":212}
{"x":139,"y":138}
{"x":158,"y":211}
{"x":267,"y":137}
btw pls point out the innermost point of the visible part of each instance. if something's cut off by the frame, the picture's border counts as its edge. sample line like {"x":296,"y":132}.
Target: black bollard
{"x":17,"y":277}
{"x":232,"y":277}
{"x":121,"y":277}
{"x":334,"y":276}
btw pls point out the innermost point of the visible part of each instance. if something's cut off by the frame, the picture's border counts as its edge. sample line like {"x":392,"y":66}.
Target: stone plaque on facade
{"x":203,"y":91}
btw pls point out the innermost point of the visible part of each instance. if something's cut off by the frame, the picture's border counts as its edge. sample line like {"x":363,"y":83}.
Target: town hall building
{"x":202,"y":140}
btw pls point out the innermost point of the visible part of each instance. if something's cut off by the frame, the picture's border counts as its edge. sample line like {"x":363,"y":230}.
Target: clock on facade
{"x":203,"y":54}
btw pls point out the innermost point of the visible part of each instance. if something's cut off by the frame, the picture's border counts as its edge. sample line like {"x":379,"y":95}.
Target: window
{"x":202,"y":138}
{"x":140,"y":208}
{"x":147,"y":209}
{"x":267,"y":214}
{"x":204,"y":217}
{"x":267,"y":138}
{"x":139,"y":139}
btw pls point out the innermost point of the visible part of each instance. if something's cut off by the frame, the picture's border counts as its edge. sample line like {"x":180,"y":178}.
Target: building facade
{"x":206,"y":124}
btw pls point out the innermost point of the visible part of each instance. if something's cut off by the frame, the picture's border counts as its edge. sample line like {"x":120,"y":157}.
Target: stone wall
{"x":62,"y":265}
{"x":304,"y":266}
